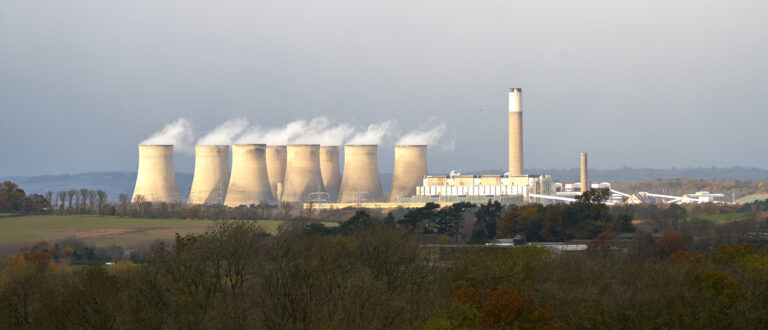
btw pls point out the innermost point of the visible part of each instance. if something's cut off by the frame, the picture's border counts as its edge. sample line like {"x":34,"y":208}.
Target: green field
{"x":752,"y":198}
{"x":103,"y":230}
{"x":723,"y":217}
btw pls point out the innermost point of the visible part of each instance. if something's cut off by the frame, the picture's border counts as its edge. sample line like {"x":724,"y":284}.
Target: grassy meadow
{"x":103,"y":230}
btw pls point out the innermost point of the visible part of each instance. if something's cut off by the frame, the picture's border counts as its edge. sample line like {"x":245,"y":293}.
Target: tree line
{"x":373,"y":274}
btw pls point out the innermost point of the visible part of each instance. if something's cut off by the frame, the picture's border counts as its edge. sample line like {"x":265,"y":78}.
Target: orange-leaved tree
{"x":499,"y":309}
{"x":670,"y":242}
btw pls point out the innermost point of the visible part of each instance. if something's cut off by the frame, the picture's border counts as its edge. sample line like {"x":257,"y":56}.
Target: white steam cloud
{"x":374,"y":134}
{"x":320,"y":131}
{"x":274,"y":136}
{"x":178,"y":133}
{"x":430,"y":135}
{"x":225,"y":133}
{"x":316,"y":131}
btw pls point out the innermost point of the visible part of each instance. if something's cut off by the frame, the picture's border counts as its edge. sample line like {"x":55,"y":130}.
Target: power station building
{"x":310,"y":173}
{"x":156,"y":180}
{"x":511,"y":187}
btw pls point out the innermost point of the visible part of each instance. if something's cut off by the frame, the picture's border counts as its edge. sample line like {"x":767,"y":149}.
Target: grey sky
{"x":638,"y":83}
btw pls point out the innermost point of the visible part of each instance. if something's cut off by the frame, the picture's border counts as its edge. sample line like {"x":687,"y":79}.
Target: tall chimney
{"x":515,"y":131}
{"x":209,"y":185}
{"x":276,"y":162}
{"x":249,"y":183}
{"x":584,"y":181}
{"x":302,"y":173}
{"x":361,"y":175}
{"x":155,"y":179}
{"x":410,"y":169}
{"x":331,"y":171}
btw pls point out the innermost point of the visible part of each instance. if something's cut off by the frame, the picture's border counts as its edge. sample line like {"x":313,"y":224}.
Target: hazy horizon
{"x":644,"y":85}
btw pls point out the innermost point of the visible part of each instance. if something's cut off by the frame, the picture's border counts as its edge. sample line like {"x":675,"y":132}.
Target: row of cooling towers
{"x":293,"y":173}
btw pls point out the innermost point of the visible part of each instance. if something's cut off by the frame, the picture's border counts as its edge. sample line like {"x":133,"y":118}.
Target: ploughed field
{"x":102,"y":230}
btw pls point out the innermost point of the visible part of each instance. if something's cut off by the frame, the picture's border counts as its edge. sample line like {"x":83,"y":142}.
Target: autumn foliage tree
{"x":14,"y":199}
{"x":498,"y":309}
{"x":583,"y":219}
{"x":670,"y":242}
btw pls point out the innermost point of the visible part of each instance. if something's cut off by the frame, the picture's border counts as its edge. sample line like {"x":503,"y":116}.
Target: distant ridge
{"x":113,"y":183}
{"x":117,"y":182}
{"x":629,"y":174}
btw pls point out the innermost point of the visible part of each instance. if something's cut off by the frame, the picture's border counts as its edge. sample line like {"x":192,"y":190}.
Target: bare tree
{"x":51,"y":202}
{"x":78,"y":209}
{"x":92,"y":199}
{"x":124,"y":201}
{"x":83,"y":198}
{"x":102,"y":197}
{"x":287,"y":208}
{"x":62,"y":197}
{"x":71,"y":193}
{"x":142,"y":204}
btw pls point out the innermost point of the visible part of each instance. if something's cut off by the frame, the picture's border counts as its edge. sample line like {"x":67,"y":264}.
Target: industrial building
{"x":277,"y":158}
{"x":211,"y":176}
{"x":410,"y":170}
{"x":330,"y":170}
{"x":156,"y":180}
{"x":249,"y":183}
{"x":511,"y":187}
{"x":360,"y":181}
{"x":302,"y":173}
{"x":310,"y":173}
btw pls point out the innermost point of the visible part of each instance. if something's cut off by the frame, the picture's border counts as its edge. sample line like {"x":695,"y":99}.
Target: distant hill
{"x":629,"y":174}
{"x":115,"y":183}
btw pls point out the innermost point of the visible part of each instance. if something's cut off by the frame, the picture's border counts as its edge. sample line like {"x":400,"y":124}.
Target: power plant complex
{"x":310,"y":174}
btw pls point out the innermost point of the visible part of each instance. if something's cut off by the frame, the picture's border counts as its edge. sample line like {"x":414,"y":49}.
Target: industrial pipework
{"x":156,"y":180}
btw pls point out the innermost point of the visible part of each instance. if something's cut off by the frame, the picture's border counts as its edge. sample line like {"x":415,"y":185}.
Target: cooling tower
{"x":515,"y":131}
{"x":209,"y":185}
{"x":249,"y":183}
{"x":302,"y":173}
{"x":156,"y":180}
{"x":276,"y":158}
{"x":410,"y":169}
{"x":361,"y":175}
{"x":584,"y":182}
{"x":331,"y":171}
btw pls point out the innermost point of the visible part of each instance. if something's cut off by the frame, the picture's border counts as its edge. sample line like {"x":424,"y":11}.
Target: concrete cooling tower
{"x":209,"y":185}
{"x":410,"y":170}
{"x":276,"y":162}
{"x":361,"y":175}
{"x":249,"y":183}
{"x":156,"y":180}
{"x":515,"y":131}
{"x":331,"y":171}
{"x":302,"y":173}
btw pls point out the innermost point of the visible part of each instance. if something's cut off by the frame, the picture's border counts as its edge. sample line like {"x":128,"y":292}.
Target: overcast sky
{"x":639,"y":83}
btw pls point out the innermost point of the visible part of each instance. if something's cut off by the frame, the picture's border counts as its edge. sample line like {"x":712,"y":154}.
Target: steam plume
{"x":178,"y":133}
{"x":225,"y":133}
{"x":316,"y":131}
{"x":374,"y":134}
{"x":320,"y":131}
{"x":426,"y":136}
